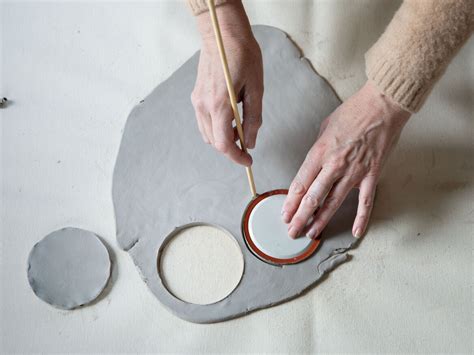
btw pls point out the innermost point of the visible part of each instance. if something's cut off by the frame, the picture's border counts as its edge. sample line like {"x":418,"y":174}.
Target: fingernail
{"x":252,"y":142}
{"x":312,"y":233}
{"x":286,"y":217}
{"x":358,"y":233}
{"x":292,"y":232}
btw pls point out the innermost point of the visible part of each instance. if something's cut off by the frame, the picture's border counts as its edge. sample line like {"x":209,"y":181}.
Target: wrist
{"x":233,"y":23}
{"x":389,"y":109}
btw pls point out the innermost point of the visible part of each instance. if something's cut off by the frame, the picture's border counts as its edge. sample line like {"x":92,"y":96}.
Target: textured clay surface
{"x":69,"y":268}
{"x":166,"y":177}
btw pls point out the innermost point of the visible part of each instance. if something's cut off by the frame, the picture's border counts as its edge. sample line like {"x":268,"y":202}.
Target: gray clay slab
{"x":166,"y":177}
{"x":69,"y":268}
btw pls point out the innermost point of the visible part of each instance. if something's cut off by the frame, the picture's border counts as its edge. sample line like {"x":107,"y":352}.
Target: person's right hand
{"x":210,"y":97}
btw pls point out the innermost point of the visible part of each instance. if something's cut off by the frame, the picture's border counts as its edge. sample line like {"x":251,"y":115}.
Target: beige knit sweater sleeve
{"x":414,"y":50}
{"x":200,"y":6}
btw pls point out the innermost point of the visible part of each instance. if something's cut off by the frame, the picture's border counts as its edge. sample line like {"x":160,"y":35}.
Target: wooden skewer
{"x":230,"y":89}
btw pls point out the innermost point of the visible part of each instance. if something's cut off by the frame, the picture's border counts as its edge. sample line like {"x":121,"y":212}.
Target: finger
{"x":252,"y":117}
{"x":201,"y":128}
{"x":301,"y":183}
{"x":311,"y":201}
{"x":364,"y":209}
{"x":224,"y":137}
{"x":200,"y":117}
{"x":331,"y":204}
{"x":207,"y":125}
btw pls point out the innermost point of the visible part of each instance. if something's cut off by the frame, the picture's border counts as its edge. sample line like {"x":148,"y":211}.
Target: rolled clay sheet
{"x":166,"y":177}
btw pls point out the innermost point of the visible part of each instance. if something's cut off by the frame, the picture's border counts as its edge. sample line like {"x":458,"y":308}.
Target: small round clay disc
{"x":69,"y":268}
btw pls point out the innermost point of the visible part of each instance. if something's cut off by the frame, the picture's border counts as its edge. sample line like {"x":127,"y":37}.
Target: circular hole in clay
{"x":201,"y":264}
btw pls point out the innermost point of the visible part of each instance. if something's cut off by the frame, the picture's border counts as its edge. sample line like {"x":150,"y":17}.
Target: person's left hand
{"x":353,"y":145}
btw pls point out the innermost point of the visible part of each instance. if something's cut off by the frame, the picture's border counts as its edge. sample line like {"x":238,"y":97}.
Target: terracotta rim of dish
{"x":255,"y":250}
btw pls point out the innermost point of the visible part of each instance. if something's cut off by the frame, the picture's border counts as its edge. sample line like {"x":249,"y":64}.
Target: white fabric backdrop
{"x":74,"y":71}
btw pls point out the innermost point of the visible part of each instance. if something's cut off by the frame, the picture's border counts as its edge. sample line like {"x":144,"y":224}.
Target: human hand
{"x":353,"y":145}
{"x":210,"y":97}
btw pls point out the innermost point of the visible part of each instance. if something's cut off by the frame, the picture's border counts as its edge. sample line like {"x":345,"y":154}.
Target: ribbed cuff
{"x":199,"y":6}
{"x":409,"y":93}
{"x":417,"y":46}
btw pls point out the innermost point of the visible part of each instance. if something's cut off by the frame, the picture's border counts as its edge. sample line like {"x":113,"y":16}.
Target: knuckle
{"x":289,"y":207}
{"x":222,"y":147}
{"x":325,"y":185}
{"x":320,"y":147}
{"x":291,"y":204}
{"x":374,"y":170}
{"x":313,"y":160}
{"x":298,"y":221}
{"x":355,"y":177}
{"x":332,"y":202}
{"x":338,"y":165}
{"x":297,"y":187}
{"x":311,"y":200}
{"x":217,"y":104}
{"x":198,"y":103}
{"x":308,"y":167}
{"x":311,"y":157}
{"x":366,"y":202}
{"x":323,"y":222}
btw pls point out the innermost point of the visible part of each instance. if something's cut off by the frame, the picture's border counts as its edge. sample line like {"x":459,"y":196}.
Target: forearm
{"x":416,"y":48}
